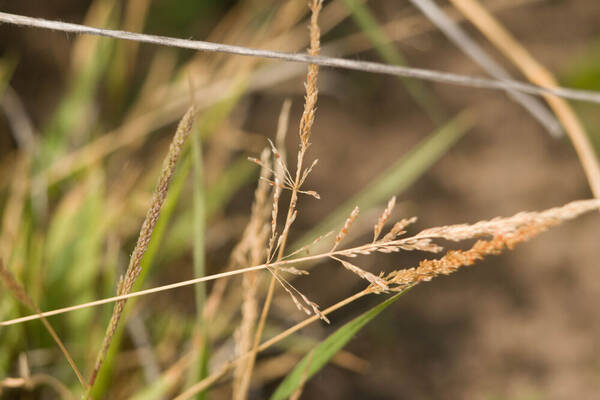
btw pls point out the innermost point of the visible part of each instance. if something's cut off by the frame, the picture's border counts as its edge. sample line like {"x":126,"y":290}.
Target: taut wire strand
{"x":366,"y":66}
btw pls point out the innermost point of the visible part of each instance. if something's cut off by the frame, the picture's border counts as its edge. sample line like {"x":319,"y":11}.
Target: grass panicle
{"x":305,"y":130}
{"x":67,"y":213}
{"x":133,"y":270}
{"x":251,"y":251}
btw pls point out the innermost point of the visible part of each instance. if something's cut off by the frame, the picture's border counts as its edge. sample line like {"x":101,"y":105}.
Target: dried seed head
{"x":502,"y":226}
{"x":315,"y":308}
{"x":383,"y":218}
{"x":293,"y":270}
{"x":346,"y":227}
{"x":398,"y":229}
{"x":373,"y":279}
{"x":311,"y":193}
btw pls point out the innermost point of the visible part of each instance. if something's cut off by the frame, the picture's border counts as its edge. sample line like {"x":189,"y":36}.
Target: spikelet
{"x":293,"y":270}
{"x":282,"y":128}
{"x":281,"y":170}
{"x":344,"y":230}
{"x":398,"y":229}
{"x":307,"y":171}
{"x":373,"y":279}
{"x":383,"y":218}
{"x":315,"y":308}
{"x":274,"y":212}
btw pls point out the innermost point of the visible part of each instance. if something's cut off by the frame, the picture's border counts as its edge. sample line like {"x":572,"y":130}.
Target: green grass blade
{"x":199,"y":223}
{"x":206,"y":124}
{"x":328,"y":348}
{"x":398,"y":177}
{"x":199,"y":368}
{"x":391,"y":55}
{"x":76,"y":106}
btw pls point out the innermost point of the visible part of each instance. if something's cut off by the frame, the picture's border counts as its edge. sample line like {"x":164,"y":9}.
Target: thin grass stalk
{"x":419,"y":241}
{"x":506,"y":233}
{"x":253,"y":251}
{"x":133,"y":270}
{"x":305,"y":129}
{"x":19,"y":293}
{"x":212,"y":379}
{"x":200,"y":366}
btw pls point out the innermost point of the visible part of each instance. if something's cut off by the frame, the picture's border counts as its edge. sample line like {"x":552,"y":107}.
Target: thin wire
{"x":470,"y":47}
{"x":366,"y":66}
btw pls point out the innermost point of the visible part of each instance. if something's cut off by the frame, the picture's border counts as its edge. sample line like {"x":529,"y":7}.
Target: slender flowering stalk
{"x":423,"y":241}
{"x":133,"y":270}
{"x":305,"y":130}
{"x":511,"y":231}
{"x":252,"y":251}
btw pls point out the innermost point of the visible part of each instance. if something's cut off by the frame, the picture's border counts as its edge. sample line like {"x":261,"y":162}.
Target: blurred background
{"x":85,"y":123}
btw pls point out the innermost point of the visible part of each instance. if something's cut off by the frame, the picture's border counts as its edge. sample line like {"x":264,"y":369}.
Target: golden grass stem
{"x":451,"y":232}
{"x":207,"y":382}
{"x":306,"y":123}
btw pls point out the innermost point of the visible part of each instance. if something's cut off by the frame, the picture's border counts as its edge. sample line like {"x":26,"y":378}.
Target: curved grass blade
{"x":321,"y":354}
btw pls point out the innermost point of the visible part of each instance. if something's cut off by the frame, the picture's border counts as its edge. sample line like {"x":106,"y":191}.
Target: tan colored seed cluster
{"x":344,"y":231}
{"x":133,"y":270}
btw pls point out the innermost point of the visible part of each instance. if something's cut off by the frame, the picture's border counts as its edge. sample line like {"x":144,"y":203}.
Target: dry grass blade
{"x":21,"y":295}
{"x":539,"y":75}
{"x":133,"y":270}
{"x":36,"y":380}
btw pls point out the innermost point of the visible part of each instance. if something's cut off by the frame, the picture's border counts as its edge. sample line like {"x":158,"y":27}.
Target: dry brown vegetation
{"x":76,"y":189}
